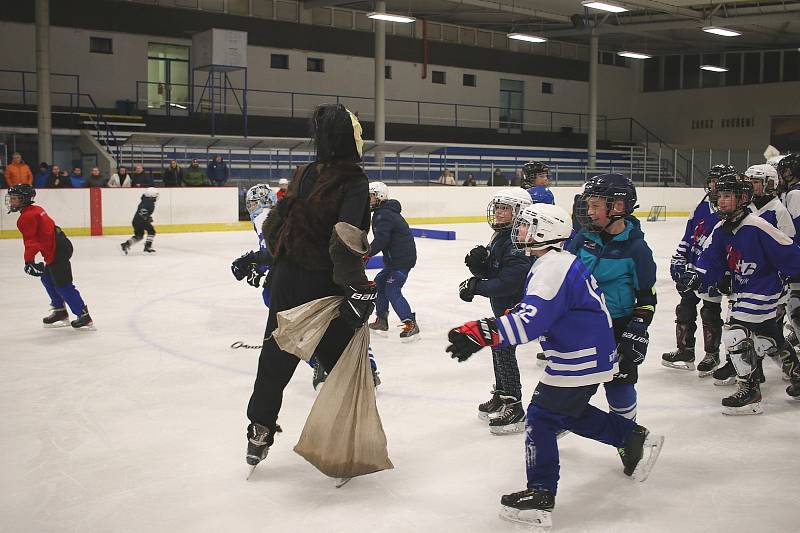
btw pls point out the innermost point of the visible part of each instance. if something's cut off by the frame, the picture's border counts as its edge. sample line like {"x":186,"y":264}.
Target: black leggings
{"x":292,"y":285}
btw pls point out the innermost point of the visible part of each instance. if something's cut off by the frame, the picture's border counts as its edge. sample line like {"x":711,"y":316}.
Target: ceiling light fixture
{"x":526,"y":37}
{"x":713,"y":68}
{"x":634,"y":55}
{"x":389,"y":17}
{"x":719,"y":30}
{"x":604,"y":6}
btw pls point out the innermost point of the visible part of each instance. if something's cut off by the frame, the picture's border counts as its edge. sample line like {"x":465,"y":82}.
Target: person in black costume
{"x":311,"y":261}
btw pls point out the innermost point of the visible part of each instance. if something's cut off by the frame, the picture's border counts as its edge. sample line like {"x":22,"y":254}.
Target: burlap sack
{"x":343,"y":436}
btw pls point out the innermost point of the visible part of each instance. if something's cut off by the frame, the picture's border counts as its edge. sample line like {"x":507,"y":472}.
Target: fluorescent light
{"x":634,"y":55}
{"x":718,"y":30}
{"x":604,"y":6}
{"x":179,"y":106}
{"x":526,"y":37}
{"x":713,"y":68}
{"x":390,"y":17}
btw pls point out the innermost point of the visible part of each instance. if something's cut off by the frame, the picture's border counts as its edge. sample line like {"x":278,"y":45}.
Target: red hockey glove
{"x":471,"y":337}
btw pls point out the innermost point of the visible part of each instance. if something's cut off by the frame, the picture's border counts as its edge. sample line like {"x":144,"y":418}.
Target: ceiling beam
{"x":663,"y":7}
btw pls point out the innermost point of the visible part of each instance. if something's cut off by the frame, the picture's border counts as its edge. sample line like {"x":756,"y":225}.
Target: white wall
{"x":68,"y":208}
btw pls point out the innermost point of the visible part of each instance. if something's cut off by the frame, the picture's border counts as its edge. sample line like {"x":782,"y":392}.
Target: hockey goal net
{"x":657,"y":213}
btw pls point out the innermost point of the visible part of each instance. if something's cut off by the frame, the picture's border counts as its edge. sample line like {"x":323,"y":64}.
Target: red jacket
{"x":38,"y":233}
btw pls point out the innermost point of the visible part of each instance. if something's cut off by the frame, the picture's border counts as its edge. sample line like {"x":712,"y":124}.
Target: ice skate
{"x":380,"y":326}
{"x":640,"y":453}
{"x":125,"y":248}
{"x":510,"y":420}
{"x":724,"y":375}
{"x":259,"y":439}
{"x":58,"y":318}
{"x":319,"y":376}
{"x":790,"y":366}
{"x":376,"y":377}
{"x":340,"y":482}
{"x":541,"y":359}
{"x":679,"y":359}
{"x":410,"y":331}
{"x":746,"y":400}
{"x":533,"y":507}
{"x":492,"y":407}
{"x":148,"y":248}
{"x":707,"y":366}
{"x":793,"y":390}
{"x":83,"y":322}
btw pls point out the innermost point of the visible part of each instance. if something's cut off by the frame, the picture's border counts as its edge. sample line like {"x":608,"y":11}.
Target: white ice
{"x":140,"y":425}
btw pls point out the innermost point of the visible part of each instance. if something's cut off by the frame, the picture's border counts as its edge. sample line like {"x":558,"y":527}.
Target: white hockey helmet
{"x":257,"y":198}
{"x":774,"y":160}
{"x":515,"y":198}
{"x":541,"y":226}
{"x":380,"y":190}
{"x":283,"y":181}
{"x":150,"y":192}
{"x":765,"y":173}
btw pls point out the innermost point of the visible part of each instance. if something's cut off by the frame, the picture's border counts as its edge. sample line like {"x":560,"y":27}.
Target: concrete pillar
{"x":594,"y":48}
{"x":380,"y":82}
{"x":44,"y":120}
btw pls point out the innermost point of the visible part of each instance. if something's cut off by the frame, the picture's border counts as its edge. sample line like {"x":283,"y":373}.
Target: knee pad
{"x":793,"y":310}
{"x":685,"y":313}
{"x":764,"y":346}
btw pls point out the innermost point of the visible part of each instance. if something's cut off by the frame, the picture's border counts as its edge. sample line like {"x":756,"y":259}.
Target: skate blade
{"x":379,"y":332}
{"x":510,"y":429}
{"x":412,"y":338}
{"x":724,"y":382}
{"x":539,"y":520}
{"x":86,"y":328}
{"x":62,"y":324}
{"x":341,"y":482}
{"x":705,"y":373}
{"x":682,"y":365}
{"x":483,"y":416}
{"x":250,"y":472}
{"x":652,"y":449}
{"x":749,"y":409}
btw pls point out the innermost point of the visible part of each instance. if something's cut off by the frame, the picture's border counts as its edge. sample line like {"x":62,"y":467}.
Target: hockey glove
{"x":688,"y":281}
{"x":34,"y":269}
{"x":471,"y":337}
{"x":677,"y":266}
{"x":724,"y":285}
{"x":633,"y":344}
{"x":358,"y":304}
{"x":466,"y":291}
{"x":477,"y":260}
{"x":242,"y":266}
{"x":254,"y":277}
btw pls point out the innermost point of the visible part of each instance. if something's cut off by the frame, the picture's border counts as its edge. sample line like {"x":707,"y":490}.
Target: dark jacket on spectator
{"x":217,"y":172}
{"x":58,"y":181}
{"x":195,"y":177}
{"x":96,"y":181}
{"x":173,"y":177}
{"x":40,"y":179}
{"x":392,"y":237}
{"x":77,"y":181}
{"x":143,"y":179}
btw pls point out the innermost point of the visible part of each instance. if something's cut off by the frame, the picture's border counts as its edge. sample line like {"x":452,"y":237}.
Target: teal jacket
{"x":623,"y":267}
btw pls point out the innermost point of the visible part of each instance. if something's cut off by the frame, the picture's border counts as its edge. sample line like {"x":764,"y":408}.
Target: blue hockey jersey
{"x":755,"y":253}
{"x":698,"y":229}
{"x":565,"y":309}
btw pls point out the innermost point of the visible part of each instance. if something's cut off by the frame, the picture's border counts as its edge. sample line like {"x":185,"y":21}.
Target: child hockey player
{"x":535,"y":179}
{"x":788,"y":168}
{"x":499,"y":272}
{"x":756,"y":254}
{"x":698,"y":228}
{"x":561,"y":298}
{"x":41,"y":236}
{"x":392,"y":236}
{"x":143,"y":222}
{"x":611,"y":246}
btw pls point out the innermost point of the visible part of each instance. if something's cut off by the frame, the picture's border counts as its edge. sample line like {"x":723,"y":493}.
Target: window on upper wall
{"x":752,"y":67}
{"x":387,"y":72}
{"x":791,"y":65}
{"x":101,"y":45}
{"x":733,"y":62}
{"x":547,"y":87}
{"x":691,"y":71}
{"x":469,"y":80}
{"x":772,"y":67}
{"x":438,"y":76}
{"x":315,"y":64}
{"x":672,"y":72}
{"x":652,"y":71}
{"x":279,"y":61}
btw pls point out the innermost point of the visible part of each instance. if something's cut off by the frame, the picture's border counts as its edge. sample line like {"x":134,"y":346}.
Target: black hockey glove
{"x":358,"y":304}
{"x":242,"y":266}
{"x":724,"y":285}
{"x":34,"y":269}
{"x":466,"y":291}
{"x":633,"y":344}
{"x":677,"y":266}
{"x":471,"y":337}
{"x":254,"y":277}
{"x":477,"y":260}
{"x":688,"y":281}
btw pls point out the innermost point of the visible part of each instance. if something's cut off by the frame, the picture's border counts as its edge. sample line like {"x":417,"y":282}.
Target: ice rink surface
{"x":140,"y":425}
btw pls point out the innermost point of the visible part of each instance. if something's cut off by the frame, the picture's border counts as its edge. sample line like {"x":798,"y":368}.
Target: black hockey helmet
{"x":529,"y":172}
{"x":23,"y":191}
{"x":714,"y":173}
{"x":612,"y":187}
{"x":738,"y":185}
{"x":789,"y":168}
